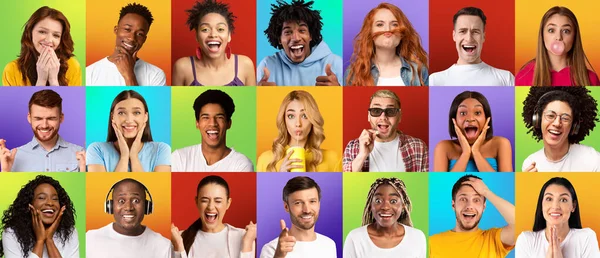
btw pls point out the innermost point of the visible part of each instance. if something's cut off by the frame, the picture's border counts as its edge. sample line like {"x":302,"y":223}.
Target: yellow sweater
{"x":331,"y":161}
{"x":12,"y":76}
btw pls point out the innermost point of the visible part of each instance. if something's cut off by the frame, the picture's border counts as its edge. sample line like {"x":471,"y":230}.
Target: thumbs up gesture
{"x":286,"y":243}
{"x":264,"y":81}
{"x":330,"y":79}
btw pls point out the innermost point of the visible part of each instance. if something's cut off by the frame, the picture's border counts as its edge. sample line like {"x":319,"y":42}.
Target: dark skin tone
{"x":45,"y":223}
{"x":131,"y":33}
{"x":128,"y":206}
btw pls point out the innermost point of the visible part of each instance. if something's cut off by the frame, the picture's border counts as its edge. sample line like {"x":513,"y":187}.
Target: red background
{"x":499,"y":46}
{"x":242,"y":188}
{"x":243,"y":41}
{"x":415,"y":111}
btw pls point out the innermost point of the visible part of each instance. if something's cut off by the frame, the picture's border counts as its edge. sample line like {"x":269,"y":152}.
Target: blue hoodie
{"x":286,"y":73}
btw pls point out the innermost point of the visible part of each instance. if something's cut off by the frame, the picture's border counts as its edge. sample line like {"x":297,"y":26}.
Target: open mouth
{"x":382,"y":128}
{"x":385,"y":216}
{"x":555,"y":215}
{"x":213,"y":46}
{"x":129,"y":128}
{"x":45,"y":131}
{"x":306,"y":217}
{"x":297,"y":50}
{"x":555,"y":132}
{"x":469,"y":215}
{"x":212,"y":134}
{"x":128,"y":45}
{"x":211,"y":217}
{"x":48,"y":212}
{"x":128,"y":217}
{"x":471,"y":131}
{"x":469,"y":48}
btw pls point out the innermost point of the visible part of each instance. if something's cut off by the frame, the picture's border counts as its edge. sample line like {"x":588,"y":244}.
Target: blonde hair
{"x":386,"y":94}
{"x":400,"y":187}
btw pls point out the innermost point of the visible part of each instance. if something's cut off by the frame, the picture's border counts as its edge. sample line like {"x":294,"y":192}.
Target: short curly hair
{"x":298,"y":10}
{"x":139,"y":10}
{"x":18,"y":216}
{"x":200,"y":9}
{"x":583,"y":106}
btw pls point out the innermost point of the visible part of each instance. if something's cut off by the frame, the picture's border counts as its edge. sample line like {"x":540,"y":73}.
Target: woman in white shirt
{"x":386,"y":230}
{"x":208,"y":236}
{"x":40,"y":223}
{"x":557,"y":230}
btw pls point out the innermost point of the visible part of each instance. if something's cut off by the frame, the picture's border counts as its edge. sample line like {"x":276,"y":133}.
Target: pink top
{"x":560,"y":78}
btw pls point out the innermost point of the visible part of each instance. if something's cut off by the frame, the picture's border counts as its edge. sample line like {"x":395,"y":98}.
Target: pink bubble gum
{"x":557,"y":47}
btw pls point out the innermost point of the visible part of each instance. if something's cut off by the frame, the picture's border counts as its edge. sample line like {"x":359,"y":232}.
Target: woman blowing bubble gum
{"x":560,"y":59}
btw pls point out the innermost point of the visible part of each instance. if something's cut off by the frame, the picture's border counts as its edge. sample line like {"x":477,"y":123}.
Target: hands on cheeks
{"x":481,"y":138}
{"x":285,"y":243}
{"x":41,"y":232}
{"x":462,"y":139}
{"x":330,"y":79}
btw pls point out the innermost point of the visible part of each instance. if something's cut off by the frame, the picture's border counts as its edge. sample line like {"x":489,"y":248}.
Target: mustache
{"x":397,"y":31}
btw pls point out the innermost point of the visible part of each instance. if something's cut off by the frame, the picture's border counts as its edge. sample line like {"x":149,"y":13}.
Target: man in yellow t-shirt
{"x":466,"y":239}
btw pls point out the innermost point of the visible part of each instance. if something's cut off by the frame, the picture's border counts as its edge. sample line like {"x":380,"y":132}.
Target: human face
{"x":559,"y":29}
{"x":470,"y":118}
{"x":131,"y":32}
{"x":45,"y":200}
{"x":384,"y":20}
{"x":303,"y":207}
{"x":386,"y":206}
{"x":213,"y":34}
{"x":469,"y":35}
{"x":555,"y":133}
{"x":129,"y":115}
{"x":557,"y":205}
{"x":128,"y":206}
{"x":468,"y":207}
{"x":296,"y":121}
{"x":212,"y":203}
{"x":213,"y":125}
{"x":295,"y":39}
{"x":46,"y":33}
{"x":45,"y":122}
{"x":387,"y":126}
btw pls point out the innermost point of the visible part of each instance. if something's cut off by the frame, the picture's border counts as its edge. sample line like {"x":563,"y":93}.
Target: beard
{"x":305,"y":226}
{"x":466,"y":227}
{"x":42,"y":138}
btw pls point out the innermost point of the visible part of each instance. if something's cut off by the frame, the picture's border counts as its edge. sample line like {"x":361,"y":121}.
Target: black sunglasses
{"x":389,"y":112}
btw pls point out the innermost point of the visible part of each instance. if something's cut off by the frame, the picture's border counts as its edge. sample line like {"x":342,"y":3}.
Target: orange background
{"x":329,"y":101}
{"x":528,"y":186}
{"x":528,"y":15}
{"x":103,"y":16}
{"x":159,"y":185}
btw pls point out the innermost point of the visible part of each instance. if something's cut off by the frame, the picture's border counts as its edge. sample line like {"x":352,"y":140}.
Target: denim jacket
{"x":406,"y":73}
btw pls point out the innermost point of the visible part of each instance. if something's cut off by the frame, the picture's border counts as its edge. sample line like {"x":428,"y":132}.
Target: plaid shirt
{"x":414,"y":154}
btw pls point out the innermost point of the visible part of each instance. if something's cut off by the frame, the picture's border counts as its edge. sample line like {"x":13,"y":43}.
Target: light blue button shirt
{"x":32,"y":157}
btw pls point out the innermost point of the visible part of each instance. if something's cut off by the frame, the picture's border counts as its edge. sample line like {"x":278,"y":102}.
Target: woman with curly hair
{"x":387,"y":51}
{"x":40,"y":222}
{"x":300,"y":125}
{"x":561,"y":117}
{"x":46,"y":57}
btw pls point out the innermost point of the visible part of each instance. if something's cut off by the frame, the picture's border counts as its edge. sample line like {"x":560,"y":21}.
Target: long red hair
{"x":364,"y":49}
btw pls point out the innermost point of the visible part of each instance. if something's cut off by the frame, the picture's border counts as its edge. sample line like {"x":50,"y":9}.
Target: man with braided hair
{"x":561,"y":117}
{"x":387,"y":230}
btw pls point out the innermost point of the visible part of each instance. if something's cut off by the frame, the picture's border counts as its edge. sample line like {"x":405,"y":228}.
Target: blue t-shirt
{"x":152,"y":154}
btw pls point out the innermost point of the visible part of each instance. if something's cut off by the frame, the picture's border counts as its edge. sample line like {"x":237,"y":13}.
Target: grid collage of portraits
{"x":221,"y":135}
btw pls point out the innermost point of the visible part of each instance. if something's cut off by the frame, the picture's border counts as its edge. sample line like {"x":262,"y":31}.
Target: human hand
{"x":176,"y":239}
{"x":264,"y":81}
{"x":125,"y":62}
{"x":123,"y":148}
{"x":287,"y":163}
{"x":366,"y":141}
{"x":330,"y":79}
{"x":41,"y":66}
{"x":136,"y":147}
{"x":481,"y":138}
{"x":7,"y":157}
{"x":50,"y":230}
{"x":285,"y":243}
{"x":38,"y":226}
{"x":249,"y":236}
{"x":478,"y":185}
{"x":53,"y":68}
{"x":554,"y":250}
{"x":462,"y":139}
{"x":80,"y":155}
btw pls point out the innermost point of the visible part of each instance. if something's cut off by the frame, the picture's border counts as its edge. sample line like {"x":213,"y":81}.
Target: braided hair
{"x":400,"y":187}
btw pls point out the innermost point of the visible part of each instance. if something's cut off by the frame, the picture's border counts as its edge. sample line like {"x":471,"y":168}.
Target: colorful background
{"x":158,"y":184}
{"x":242,"y":134}
{"x":271,"y":210}
{"x":73,"y":183}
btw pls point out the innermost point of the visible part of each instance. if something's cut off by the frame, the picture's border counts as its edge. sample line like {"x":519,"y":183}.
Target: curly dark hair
{"x":583,"y":106}
{"x":298,"y":10}
{"x":18,"y":216}
{"x":139,"y":10}
{"x":209,"y":6}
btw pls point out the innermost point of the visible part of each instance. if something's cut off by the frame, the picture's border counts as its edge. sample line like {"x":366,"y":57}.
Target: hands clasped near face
{"x":47,"y":67}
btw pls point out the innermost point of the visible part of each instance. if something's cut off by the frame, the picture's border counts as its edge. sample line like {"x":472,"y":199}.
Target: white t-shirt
{"x":105,"y":73}
{"x":224,"y":244}
{"x":579,"y":243}
{"x":191,"y":159}
{"x":12,"y":247}
{"x":579,"y":158}
{"x":106,"y":242}
{"x":322,"y":247}
{"x":395,"y":81}
{"x":386,"y":157}
{"x":359,"y":245}
{"x":472,"y":75}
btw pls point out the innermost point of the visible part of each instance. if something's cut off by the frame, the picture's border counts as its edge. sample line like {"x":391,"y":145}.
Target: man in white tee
{"x":302,"y":200}
{"x":123,"y":67}
{"x":470,"y":70}
{"x":127,"y":237}
{"x":213,"y":109}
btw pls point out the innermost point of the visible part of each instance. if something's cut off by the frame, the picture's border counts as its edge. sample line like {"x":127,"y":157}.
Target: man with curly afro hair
{"x":304,"y":58}
{"x":123,"y":67}
{"x":561,"y":117}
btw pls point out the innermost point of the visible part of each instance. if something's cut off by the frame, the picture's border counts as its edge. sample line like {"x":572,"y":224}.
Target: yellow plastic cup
{"x":299,"y":153}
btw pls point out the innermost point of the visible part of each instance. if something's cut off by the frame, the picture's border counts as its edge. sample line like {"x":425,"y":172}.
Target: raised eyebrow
{"x":135,"y":194}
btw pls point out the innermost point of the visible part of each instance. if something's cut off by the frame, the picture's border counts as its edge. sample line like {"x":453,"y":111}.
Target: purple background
{"x":270,"y":206}
{"x":355,"y":12}
{"x":502,"y":104}
{"x":14,"y":106}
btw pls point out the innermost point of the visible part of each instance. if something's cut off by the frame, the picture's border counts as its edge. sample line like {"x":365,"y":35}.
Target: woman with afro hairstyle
{"x":387,"y":51}
{"x":561,"y":117}
{"x":213,"y":63}
{"x":40,"y":222}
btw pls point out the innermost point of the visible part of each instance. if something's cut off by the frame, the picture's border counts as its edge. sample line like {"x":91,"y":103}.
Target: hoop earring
{"x":228,"y":51}
{"x":199,"y":53}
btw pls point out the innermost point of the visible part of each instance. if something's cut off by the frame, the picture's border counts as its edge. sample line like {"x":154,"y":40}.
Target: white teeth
{"x":211,"y":214}
{"x":468,"y":46}
{"x":555,"y":214}
{"x":385,"y":215}
{"x":127,"y":45}
{"x":128,"y":216}
{"x":306,"y":217}
{"x":212,"y":132}
{"x":555,"y":132}
{"x":48,"y":211}
{"x":213,"y":43}
{"x":297,"y":47}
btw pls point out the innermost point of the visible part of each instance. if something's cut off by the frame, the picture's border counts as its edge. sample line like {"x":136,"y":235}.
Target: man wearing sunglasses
{"x":384,"y":148}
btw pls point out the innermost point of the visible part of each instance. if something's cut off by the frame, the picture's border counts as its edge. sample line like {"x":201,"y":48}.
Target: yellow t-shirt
{"x":12,"y":76}
{"x":477,"y":244}
{"x":331,"y":161}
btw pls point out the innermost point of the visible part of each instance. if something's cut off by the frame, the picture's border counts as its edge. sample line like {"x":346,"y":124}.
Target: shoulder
{"x":414,"y":231}
{"x":236,"y":231}
{"x":102,"y":62}
{"x":149,"y":66}
{"x":72,"y":62}
{"x":96,"y":233}
{"x":444,"y":145}
{"x":10,"y":67}
{"x":183,"y":62}
{"x":99,"y":146}
{"x":440,"y":237}
{"x":267,"y":155}
{"x":325,"y":239}
{"x":239,"y":156}
{"x":352,"y":143}
{"x":526,"y":70}
{"x":580,"y":148}
{"x":412,"y":140}
{"x":189,"y":150}
{"x":245,"y":61}
{"x":594,"y":81}
{"x":329,"y":154}
{"x":501,"y":141}
{"x":587,"y":233}
{"x":358,"y":233}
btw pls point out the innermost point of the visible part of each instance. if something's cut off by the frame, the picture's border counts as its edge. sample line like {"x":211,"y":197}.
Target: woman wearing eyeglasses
{"x":472,"y":147}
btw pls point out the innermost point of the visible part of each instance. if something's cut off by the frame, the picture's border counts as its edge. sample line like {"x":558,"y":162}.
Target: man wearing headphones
{"x":561,"y":117}
{"x":127,"y":237}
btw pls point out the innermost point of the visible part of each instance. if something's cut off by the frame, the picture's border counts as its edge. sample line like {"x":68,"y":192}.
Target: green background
{"x":525,"y":143}
{"x":73,"y":183}
{"x":16,"y":13}
{"x":241,"y":136}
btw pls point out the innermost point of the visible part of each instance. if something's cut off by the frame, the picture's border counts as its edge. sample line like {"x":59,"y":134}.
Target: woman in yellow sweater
{"x":46,"y":57}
